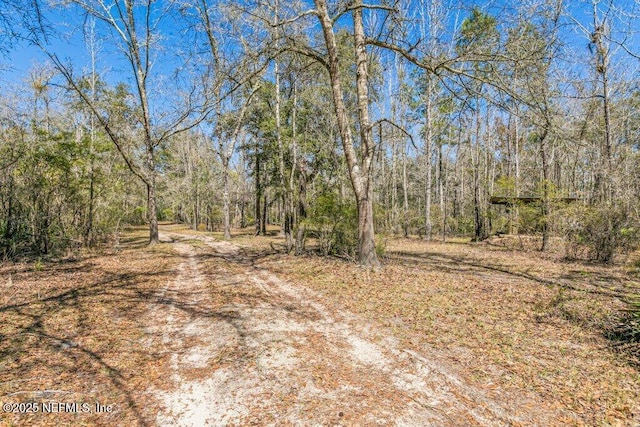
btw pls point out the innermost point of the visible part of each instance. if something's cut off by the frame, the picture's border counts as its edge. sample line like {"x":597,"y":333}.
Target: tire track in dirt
{"x":181,"y":323}
{"x":290,"y":360}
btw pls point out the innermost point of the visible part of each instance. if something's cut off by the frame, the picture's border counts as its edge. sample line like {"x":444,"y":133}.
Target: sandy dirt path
{"x":276,"y":355}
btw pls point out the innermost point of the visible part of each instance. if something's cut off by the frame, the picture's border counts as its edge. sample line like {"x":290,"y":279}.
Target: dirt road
{"x":274,"y":354}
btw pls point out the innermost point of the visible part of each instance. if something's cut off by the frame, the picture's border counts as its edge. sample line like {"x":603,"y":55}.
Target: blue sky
{"x":17,"y":63}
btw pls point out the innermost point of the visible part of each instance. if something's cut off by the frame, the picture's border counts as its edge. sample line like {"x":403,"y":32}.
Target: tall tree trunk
{"x":480,"y":232}
{"x":405,"y":193}
{"x":291,"y":211}
{"x":225,"y":198}
{"x":243,"y":220}
{"x":284,"y":184}
{"x":302,"y":209}
{"x":441,"y":178}
{"x":603,"y":176}
{"x":8,"y":231}
{"x":515,"y":144}
{"x":386,"y":190}
{"x":263,"y":220}
{"x":258,"y":212}
{"x":477,"y":214}
{"x":394,"y":185}
{"x":208,"y":225}
{"x":359,"y":174}
{"x":366,"y":242}
{"x":196,"y":202}
{"x":88,"y":239}
{"x":427,"y":153}
{"x":152,"y":211}
{"x":152,"y":208}
{"x":545,"y":202}
{"x":608,"y":193}
{"x":225,"y":152}
{"x":88,"y":236}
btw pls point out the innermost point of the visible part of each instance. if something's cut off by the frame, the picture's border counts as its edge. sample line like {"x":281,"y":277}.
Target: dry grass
{"x":510,"y":319}
{"x":73,"y":332}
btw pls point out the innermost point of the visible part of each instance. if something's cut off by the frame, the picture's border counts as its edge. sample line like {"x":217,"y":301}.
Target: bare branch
{"x":397,"y":126}
{"x":404,"y":52}
{"x":293,"y":46}
{"x":176,"y":128}
{"x":295,"y":18}
{"x":361,"y":6}
{"x":67,"y":74}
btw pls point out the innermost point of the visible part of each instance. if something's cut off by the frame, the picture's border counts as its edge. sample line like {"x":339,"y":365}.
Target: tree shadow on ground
{"x":599,"y":283}
{"x":571,"y":285}
{"x":88,"y":338}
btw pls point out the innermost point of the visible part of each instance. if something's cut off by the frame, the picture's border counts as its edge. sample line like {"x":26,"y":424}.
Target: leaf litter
{"x":294,"y":359}
{"x":205,"y":332}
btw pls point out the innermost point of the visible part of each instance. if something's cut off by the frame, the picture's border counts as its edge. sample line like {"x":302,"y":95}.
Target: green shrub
{"x":335,"y":224}
{"x":381,"y":246}
{"x":500,"y":224}
{"x":416,"y":223}
{"x":463,"y":225}
{"x":138,"y":215}
{"x":216,"y":217}
{"x":529,"y":219}
{"x":166,"y":214}
{"x":600,"y":231}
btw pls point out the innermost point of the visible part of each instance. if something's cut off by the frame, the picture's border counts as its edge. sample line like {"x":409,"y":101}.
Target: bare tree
{"x":360,"y":169}
{"x":227,"y":142}
{"x":133,"y":26}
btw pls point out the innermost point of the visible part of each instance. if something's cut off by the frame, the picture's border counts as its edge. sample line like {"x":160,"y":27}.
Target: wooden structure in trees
{"x":511,"y":201}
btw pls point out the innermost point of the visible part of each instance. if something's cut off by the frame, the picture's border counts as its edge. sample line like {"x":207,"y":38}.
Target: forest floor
{"x":199,"y":331}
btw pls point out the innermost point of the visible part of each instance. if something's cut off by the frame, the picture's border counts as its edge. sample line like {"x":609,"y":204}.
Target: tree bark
{"x":405,"y":193}
{"x":545,"y":205}
{"x":480,"y":232}
{"x":263,"y":221}
{"x":152,"y":212}
{"x":284,"y":184}
{"x":258,"y":211}
{"x":441,"y":178}
{"x":291,"y":209}
{"x":366,"y":233}
{"x":359,"y":174}
{"x":8,"y":231}
{"x":603,"y":176}
{"x":225,"y":151}
{"x":302,"y":209}
{"x":427,"y":153}
{"x":226,"y":217}
{"x":196,"y":202}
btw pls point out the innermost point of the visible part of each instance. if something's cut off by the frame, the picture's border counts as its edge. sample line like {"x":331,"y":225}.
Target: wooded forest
{"x":320,"y":212}
{"x":338,"y":121}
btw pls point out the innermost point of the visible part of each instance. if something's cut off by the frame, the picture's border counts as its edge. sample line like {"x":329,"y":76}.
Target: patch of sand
{"x":297,"y":361}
